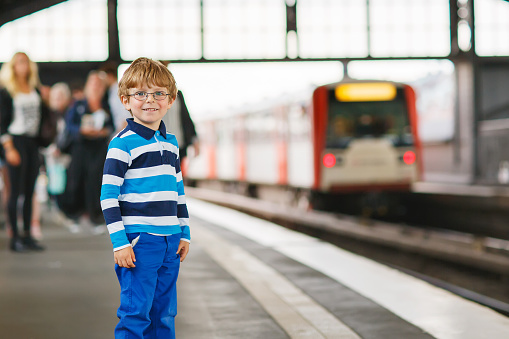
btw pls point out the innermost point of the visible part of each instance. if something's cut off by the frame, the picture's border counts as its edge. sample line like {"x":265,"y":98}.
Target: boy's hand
{"x":125,"y":257}
{"x":12,"y":156}
{"x":183,"y":249}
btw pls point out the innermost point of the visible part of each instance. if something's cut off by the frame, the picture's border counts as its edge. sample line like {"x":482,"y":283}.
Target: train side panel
{"x":300,"y":147}
{"x":226,"y":151}
{"x":261,"y":148}
{"x":202,"y":166}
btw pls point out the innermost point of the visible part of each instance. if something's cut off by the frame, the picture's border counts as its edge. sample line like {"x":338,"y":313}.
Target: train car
{"x":346,"y":138}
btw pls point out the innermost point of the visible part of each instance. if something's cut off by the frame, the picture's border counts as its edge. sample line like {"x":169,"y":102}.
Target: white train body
{"x":317,"y":143}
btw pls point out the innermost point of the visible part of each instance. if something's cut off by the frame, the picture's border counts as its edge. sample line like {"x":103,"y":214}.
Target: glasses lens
{"x":140,"y":95}
{"x":159,"y":95}
{"x":143,"y":95}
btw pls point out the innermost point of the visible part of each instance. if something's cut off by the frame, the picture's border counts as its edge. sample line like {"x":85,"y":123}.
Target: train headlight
{"x":329,"y":160}
{"x":409,"y":157}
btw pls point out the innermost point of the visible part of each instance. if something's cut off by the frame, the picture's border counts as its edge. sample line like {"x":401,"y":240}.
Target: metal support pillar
{"x":465,"y":63}
{"x":113,"y":39}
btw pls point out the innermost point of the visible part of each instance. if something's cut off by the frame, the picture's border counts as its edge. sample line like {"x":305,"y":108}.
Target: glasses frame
{"x":147,"y":94}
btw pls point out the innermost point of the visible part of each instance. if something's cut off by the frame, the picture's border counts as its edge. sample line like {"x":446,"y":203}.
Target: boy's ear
{"x":170,"y":103}
{"x":125,"y":102}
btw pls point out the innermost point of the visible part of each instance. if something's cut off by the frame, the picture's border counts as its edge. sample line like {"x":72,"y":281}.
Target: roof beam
{"x":11,"y":10}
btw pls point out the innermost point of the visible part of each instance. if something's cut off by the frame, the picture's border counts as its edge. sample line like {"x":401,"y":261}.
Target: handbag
{"x":57,"y":178}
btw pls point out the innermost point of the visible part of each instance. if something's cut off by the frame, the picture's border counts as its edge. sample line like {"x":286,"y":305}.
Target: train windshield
{"x":350,"y":120}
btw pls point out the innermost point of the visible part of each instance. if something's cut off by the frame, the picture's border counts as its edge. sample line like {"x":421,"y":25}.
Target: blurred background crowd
{"x":53,"y":145}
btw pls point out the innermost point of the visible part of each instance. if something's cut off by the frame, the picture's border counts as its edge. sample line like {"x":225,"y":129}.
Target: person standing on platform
{"x":56,"y":161}
{"x":144,"y":205}
{"x":118,"y":112}
{"x":180,"y":124}
{"x":22,"y":111}
{"x":90,"y":126}
{"x":77,"y":87}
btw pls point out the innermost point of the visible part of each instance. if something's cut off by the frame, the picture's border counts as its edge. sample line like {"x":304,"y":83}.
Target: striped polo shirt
{"x":142,"y":188}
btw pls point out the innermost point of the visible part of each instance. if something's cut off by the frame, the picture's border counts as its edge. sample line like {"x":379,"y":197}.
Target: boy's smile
{"x":147,"y":112}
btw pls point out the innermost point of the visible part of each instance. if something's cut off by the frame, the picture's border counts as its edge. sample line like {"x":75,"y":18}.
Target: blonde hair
{"x":90,"y":92}
{"x":8,"y":77}
{"x":58,"y":92}
{"x":145,"y":71}
{"x":63,"y":88}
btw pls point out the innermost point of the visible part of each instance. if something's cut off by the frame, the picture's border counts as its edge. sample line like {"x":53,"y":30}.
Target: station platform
{"x":243,"y":278}
{"x":460,"y":189}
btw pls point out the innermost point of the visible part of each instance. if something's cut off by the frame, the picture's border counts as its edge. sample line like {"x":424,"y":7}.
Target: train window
{"x":368,"y":119}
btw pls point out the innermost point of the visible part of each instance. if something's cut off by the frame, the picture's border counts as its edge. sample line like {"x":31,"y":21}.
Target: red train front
{"x":365,"y":137}
{"x":345,"y":137}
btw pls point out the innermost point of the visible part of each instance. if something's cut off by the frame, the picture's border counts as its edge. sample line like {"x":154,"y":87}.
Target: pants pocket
{"x":133,"y":238}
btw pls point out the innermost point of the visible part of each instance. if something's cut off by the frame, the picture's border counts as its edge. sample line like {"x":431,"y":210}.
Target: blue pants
{"x":148,"y":296}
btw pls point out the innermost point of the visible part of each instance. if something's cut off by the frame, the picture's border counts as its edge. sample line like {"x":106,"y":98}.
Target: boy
{"x":143,"y":202}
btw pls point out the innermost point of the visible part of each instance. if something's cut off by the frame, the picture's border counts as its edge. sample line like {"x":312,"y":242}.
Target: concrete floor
{"x":68,"y":291}
{"x":71,"y":291}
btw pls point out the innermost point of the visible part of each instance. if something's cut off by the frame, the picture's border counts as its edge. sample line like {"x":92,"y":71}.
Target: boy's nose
{"x":150,"y":97}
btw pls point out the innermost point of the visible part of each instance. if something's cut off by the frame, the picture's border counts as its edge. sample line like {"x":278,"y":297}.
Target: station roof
{"x":13,"y":9}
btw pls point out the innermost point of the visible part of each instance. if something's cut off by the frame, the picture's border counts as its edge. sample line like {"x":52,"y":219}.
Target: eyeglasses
{"x":142,"y":96}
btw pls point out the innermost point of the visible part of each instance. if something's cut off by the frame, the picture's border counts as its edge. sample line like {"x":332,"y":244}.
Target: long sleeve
{"x":73,"y":118}
{"x":115,"y":167}
{"x":142,"y":189}
{"x":182,"y":213}
{"x":6,"y":108}
{"x":186,"y":122}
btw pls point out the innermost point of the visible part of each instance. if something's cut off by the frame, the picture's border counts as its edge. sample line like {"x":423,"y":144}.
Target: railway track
{"x":452,"y":260}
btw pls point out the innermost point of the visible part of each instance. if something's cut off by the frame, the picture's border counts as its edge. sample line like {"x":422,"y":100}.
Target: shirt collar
{"x":144,"y":131}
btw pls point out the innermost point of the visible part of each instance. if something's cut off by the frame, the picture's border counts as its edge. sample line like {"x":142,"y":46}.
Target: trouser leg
{"x":12,"y":204}
{"x":32,"y":171}
{"x":164,"y":307}
{"x":93,"y":181}
{"x":138,"y":286}
{"x":71,"y":200}
{"x":17,"y":176}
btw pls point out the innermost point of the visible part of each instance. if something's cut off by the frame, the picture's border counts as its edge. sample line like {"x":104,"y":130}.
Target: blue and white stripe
{"x":142,"y":188}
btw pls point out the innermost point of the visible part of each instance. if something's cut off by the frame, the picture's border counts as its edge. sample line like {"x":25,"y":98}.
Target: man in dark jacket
{"x":179,"y":122}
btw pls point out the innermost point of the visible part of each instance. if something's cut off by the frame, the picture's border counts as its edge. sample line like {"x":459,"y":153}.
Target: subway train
{"x":356,"y":140}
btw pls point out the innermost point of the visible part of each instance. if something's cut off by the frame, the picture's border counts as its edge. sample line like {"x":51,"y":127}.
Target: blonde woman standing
{"x":21,"y":112}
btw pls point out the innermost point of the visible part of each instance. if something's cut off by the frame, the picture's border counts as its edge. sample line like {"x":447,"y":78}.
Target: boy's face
{"x":147,"y":112}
